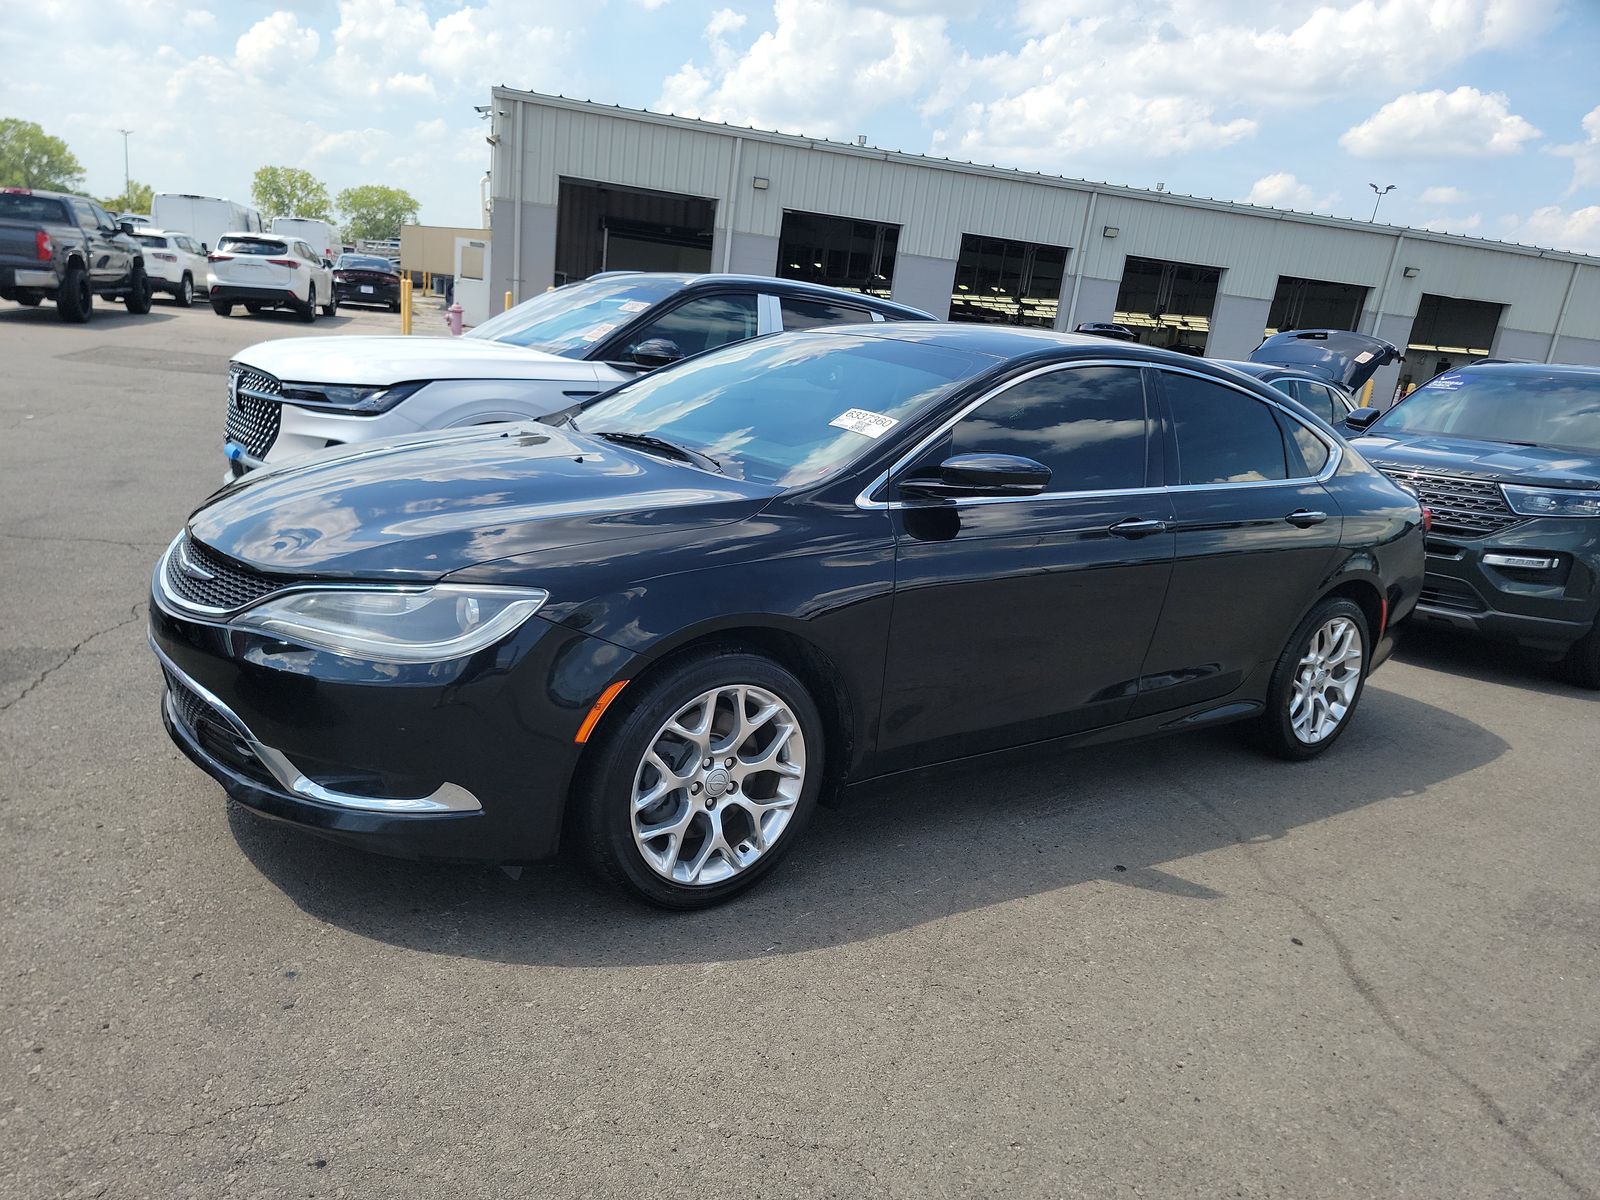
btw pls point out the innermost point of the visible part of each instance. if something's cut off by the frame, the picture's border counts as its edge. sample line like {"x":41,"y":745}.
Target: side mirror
{"x":982,"y":475}
{"x":656,"y":352}
{"x":327,"y":262}
{"x":1359,"y":418}
{"x":204,"y":249}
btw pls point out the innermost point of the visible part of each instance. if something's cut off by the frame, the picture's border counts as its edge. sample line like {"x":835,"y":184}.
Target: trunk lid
{"x":1337,"y":355}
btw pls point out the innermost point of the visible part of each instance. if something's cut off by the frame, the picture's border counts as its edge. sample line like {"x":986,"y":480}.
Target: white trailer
{"x":319,"y":235}
{"x":204,"y":218}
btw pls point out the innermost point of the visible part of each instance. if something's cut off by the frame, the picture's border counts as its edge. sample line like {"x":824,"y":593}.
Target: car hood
{"x":422,"y":508}
{"x":386,"y":360}
{"x":1495,"y":461}
{"x":1337,"y":355}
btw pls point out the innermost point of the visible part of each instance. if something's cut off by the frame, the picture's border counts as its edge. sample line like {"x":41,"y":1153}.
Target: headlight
{"x":398,"y":624}
{"x":1551,"y":502}
{"x":358,"y":401}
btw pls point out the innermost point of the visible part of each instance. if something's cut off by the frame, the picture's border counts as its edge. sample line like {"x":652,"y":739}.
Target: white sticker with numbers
{"x":859,"y":420}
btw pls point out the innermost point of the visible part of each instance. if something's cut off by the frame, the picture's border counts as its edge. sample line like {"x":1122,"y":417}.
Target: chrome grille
{"x":253,"y":410}
{"x":1468,"y":508}
{"x":232,"y":585}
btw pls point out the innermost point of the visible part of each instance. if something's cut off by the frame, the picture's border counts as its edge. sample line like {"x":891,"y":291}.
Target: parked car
{"x":263,"y":270}
{"x":1107,"y":329}
{"x":290,"y":397}
{"x":204,"y":218}
{"x":366,"y":279}
{"x":67,"y":249}
{"x":1322,"y":369}
{"x":1507,"y":456}
{"x":174,"y":261}
{"x":667,"y":626}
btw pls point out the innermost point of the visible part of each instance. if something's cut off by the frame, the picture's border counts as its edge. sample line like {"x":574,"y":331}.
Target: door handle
{"x":1134,"y":527}
{"x":1305,"y":518}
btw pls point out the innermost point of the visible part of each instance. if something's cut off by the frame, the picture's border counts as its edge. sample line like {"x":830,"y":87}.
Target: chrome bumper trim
{"x":448,"y":797}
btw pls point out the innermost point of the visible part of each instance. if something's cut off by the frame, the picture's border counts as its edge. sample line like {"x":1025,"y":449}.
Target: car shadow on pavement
{"x":107,"y":314}
{"x":1438,"y":649}
{"x":912,"y":853}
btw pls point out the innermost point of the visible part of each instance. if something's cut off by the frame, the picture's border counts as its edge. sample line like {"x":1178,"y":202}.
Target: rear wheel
{"x":75,"y":299}
{"x":704,"y":781}
{"x":308,"y":311}
{"x":222,"y":308}
{"x":252,"y":309}
{"x":28,"y":300}
{"x":1317,"y":682}
{"x":140,"y":292}
{"x":1582,"y":663}
{"x":186,"y":291}
{"x":331,"y":308}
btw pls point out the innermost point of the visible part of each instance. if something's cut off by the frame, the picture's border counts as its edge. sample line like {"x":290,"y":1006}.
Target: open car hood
{"x":1337,"y":355}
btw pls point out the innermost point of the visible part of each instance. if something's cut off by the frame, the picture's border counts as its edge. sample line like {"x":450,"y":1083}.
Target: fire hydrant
{"x":452,"y":318}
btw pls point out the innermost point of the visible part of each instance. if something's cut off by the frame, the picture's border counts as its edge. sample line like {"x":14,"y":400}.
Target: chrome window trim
{"x":866,"y":501}
{"x":447,"y":797}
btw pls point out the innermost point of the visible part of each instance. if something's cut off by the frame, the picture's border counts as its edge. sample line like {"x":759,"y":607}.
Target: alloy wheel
{"x":1326,"y":680}
{"x":718,"y":785}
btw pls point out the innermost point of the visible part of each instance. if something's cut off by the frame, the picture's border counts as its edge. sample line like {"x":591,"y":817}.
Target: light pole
{"x":127,"y":183}
{"x":1382,"y":192}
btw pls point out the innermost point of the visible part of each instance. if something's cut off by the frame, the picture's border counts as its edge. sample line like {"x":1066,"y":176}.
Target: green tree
{"x":31,"y":158}
{"x":290,"y":192}
{"x":375,"y":211}
{"x":138,"y":198}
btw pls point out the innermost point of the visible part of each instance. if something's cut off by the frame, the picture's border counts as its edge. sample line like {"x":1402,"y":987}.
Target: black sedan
{"x":366,"y":279}
{"x":666,"y":627}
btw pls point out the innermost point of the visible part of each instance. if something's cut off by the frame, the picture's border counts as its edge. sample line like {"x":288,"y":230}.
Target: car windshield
{"x":1557,"y":409}
{"x":252,"y":246}
{"x":789,"y":409}
{"x":364,"y":262}
{"x":570,"y":319}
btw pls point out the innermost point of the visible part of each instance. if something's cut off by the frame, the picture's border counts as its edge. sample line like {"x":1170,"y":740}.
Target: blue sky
{"x":1485,"y":114}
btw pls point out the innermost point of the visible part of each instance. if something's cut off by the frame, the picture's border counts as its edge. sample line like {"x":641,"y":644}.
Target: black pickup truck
{"x":67,"y":249}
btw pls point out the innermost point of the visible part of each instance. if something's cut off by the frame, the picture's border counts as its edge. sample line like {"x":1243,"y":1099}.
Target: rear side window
{"x":1223,"y":435}
{"x":84,"y":213}
{"x":1308,"y":453}
{"x":808,"y":314}
{"x":261,"y":246}
{"x":1087,"y":424}
{"x":15,"y":206}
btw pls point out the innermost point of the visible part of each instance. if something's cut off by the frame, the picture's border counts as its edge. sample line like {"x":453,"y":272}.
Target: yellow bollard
{"x":1366,"y":395}
{"x":508,"y":299}
{"x":405,"y":305}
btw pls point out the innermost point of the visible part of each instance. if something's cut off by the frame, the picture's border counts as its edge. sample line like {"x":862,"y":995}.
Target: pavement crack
{"x":72,"y":652}
{"x":225,"y":1114}
{"x":1374,"y":1001}
{"x":57,"y":539}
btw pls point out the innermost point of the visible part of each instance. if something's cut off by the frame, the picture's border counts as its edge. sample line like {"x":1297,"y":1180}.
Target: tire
{"x":222,"y":308}
{"x":1581,"y":664}
{"x":700,"y":694}
{"x":253,"y":309}
{"x":140,"y":293}
{"x":331,"y":309}
{"x":308,"y":310}
{"x":28,"y":301}
{"x":185,"y":296}
{"x":74,"y":298}
{"x":395,"y":307}
{"x":1310,"y":672}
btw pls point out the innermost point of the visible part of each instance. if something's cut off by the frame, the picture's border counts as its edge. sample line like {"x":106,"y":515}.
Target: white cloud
{"x":1442,"y":195}
{"x":1283,"y":190}
{"x":1465,"y":123}
{"x":1577,"y":229}
{"x":276,"y":46}
{"x":1585,"y":155}
{"x":199,"y":18}
{"x":1452,"y":223}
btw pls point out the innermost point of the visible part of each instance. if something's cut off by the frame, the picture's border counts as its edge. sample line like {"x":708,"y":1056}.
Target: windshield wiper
{"x":649,"y":441}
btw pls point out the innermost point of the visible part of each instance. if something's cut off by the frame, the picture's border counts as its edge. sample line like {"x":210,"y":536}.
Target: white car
{"x":173,"y":261}
{"x":263,"y":270}
{"x":298,"y":395}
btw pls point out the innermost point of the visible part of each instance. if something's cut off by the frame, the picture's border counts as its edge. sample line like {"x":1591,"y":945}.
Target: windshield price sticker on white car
{"x":859,"y":420}
{"x":633,"y":306}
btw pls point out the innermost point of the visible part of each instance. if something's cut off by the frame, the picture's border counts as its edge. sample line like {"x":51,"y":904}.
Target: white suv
{"x":263,"y":270}
{"x":297,"y":395}
{"x":173,"y":261}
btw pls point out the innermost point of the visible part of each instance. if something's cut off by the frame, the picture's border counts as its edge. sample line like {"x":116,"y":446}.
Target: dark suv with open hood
{"x":1507,"y":457}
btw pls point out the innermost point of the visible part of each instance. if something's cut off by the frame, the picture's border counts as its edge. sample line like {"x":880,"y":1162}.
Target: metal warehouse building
{"x":580,"y":188}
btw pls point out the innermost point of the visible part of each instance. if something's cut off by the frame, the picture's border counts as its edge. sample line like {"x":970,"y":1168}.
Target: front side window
{"x":1087,"y":424}
{"x":570,"y":320}
{"x":1223,"y":435}
{"x":701,"y":324}
{"x":801,"y":313}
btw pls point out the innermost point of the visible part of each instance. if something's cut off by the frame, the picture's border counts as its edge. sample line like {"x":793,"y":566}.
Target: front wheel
{"x":703,"y":781}
{"x":1317,"y":682}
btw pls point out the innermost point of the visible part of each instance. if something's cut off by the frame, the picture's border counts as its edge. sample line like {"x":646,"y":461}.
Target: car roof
{"x":771,"y":283}
{"x":1263,"y":370}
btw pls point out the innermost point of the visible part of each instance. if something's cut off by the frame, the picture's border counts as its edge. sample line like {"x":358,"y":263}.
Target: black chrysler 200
{"x":664,"y":628}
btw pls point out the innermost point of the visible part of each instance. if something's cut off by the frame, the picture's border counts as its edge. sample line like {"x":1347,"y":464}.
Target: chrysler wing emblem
{"x":189,"y":567}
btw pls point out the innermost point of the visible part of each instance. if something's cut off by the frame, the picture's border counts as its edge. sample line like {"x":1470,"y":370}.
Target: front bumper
{"x":469,"y":760}
{"x":1545,"y":609}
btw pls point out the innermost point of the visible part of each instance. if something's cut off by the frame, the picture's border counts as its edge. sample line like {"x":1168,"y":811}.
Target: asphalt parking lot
{"x":1167,"y":969}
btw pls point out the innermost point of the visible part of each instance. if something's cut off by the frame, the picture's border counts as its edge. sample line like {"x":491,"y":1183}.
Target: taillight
{"x":166,"y":257}
{"x":341,"y":275}
{"x":283,"y":262}
{"x":43,"y":248}
{"x":219,"y":258}
{"x":1427,"y":519}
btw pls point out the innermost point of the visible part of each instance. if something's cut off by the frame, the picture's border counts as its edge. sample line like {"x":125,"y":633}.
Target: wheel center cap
{"x":717,"y":783}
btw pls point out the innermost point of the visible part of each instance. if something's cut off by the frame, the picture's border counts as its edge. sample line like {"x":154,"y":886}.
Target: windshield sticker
{"x":633,"y":306}
{"x":1447,"y":383}
{"x":595,"y":332}
{"x":1364,"y":357}
{"x":869,"y":424}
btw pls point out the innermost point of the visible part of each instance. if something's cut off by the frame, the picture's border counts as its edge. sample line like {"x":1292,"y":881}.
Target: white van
{"x":319,"y":235}
{"x":204,"y":218}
